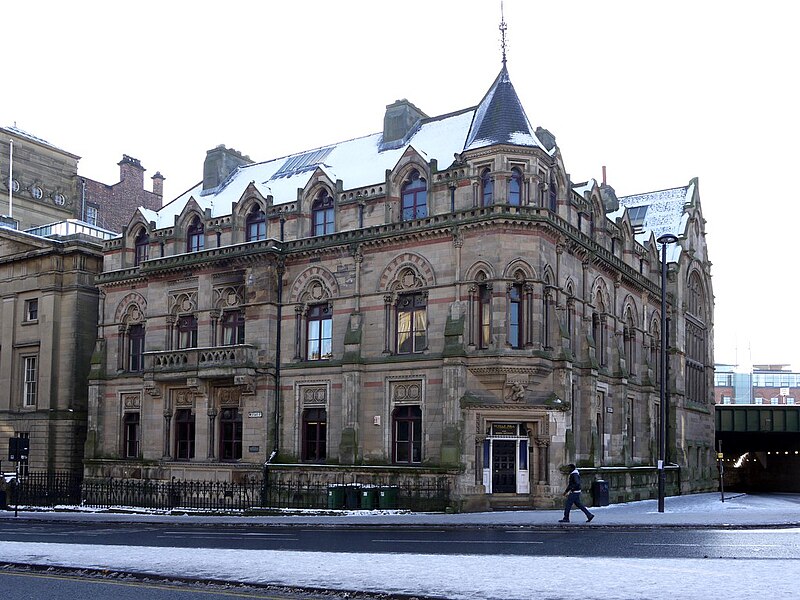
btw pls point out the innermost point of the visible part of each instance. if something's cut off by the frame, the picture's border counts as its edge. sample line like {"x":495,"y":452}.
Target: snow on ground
{"x":457,"y":577}
{"x":467,"y":577}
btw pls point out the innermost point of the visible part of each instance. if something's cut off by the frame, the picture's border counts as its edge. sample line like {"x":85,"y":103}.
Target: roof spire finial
{"x":503,"y":28}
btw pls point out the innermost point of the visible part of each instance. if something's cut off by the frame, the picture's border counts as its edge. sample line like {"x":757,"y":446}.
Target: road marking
{"x":228,"y":534}
{"x":712,"y":545}
{"x":402,"y":541}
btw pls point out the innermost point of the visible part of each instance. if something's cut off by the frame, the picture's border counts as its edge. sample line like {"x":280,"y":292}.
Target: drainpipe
{"x":11,"y":179}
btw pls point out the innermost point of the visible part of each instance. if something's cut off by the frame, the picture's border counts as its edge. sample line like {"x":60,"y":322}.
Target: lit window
{"x":319,"y":332}
{"x":415,"y":197}
{"x":322,"y":214}
{"x":256,"y":224}
{"x":411,"y":324}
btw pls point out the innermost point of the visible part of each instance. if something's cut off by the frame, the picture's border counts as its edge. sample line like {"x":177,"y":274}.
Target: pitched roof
{"x":500,"y":118}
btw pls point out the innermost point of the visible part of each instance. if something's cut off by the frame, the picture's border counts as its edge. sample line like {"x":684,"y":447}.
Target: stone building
{"x":48,"y":327}
{"x":437,"y":299}
{"x":45,"y":186}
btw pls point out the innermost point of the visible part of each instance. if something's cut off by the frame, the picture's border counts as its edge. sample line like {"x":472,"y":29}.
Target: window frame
{"x":31,"y":310}
{"x":322,"y":215}
{"x":516,"y":316}
{"x":131,"y":423}
{"x":319,"y":332}
{"x":185,"y":433}
{"x":136,"y":336}
{"x":515,"y":195}
{"x":195,"y":236}
{"x":141,"y":247}
{"x":415,"y":305}
{"x":232,"y":328}
{"x":255,"y":225}
{"x":314,"y":421}
{"x":414,"y":197}
{"x":30,"y":380}
{"x":407,"y":451}
{"x":484,"y":316}
{"x":230,"y":434}
{"x":487,"y":188}
{"x":187,"y":332}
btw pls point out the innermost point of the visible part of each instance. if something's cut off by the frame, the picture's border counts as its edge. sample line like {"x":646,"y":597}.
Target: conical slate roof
{"x":500,"y":118}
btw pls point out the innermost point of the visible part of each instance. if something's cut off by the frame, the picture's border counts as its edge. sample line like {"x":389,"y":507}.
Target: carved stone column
{"x":212,"y":416}
{"x":543,"y":460}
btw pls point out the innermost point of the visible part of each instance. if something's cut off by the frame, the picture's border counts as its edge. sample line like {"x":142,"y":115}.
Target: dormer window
{"x":195,"y":236}
{"x":415,"y":197}
{"x":487,"y":188}
{"x":256,"y":224}
{"x":141,"y":246}
{"x":322,"y":214}
{"x":515,"y":188}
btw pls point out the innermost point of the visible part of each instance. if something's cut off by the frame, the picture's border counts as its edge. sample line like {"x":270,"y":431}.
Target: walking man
{"x":573,"y":495}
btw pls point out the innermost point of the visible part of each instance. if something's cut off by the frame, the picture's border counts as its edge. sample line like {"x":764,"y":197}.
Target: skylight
{"x":302,"y":162}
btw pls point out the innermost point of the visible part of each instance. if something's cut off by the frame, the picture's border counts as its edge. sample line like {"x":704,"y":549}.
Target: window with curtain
{"x":411,"y":323}
{"x":232,"y":328}
{"x":187,"y":332}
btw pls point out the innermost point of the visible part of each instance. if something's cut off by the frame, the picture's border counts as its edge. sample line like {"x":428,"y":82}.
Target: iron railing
{"x":69,"y":488}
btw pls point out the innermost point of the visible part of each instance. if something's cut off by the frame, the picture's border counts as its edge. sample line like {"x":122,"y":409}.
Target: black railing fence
{"x":68,"y":488}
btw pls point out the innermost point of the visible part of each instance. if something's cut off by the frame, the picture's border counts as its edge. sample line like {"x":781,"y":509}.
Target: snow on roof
{"x":357,"y":162}
{"x":32,"y":138}
{"x":500,"y":118}
{"x":582,"y":188}
{"x":665,"y":214}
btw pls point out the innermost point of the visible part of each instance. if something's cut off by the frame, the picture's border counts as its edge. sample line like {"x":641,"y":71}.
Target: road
{"x":577,"y":541}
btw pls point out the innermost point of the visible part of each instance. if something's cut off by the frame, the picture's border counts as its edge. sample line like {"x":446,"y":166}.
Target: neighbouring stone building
{"x":438,"y":299}
{"x":48,"y":327}
{"x":45,"y":186}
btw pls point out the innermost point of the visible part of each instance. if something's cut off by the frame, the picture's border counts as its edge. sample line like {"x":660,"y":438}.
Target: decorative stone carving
{"x":313,"y":395}
{"x":133,"y":400}
{"x":228,"y":396}
{"x":406,"y":391}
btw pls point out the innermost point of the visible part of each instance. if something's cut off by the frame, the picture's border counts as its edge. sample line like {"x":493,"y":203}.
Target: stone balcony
{"x":203,"y":363}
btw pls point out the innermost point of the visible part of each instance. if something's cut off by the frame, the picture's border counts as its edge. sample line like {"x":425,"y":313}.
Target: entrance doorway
{"x":504,"y":466}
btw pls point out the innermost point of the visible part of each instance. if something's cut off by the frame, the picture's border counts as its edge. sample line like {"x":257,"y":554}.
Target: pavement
{"x":696,"y":510}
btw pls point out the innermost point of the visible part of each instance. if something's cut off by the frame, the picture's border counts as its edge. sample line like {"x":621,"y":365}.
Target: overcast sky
{"x":657,"y":92}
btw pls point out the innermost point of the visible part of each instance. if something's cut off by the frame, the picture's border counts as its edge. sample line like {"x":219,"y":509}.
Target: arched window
{"x":256,"y":224}
{"x":599,"y":336}
{"x":141,"y":245}
{"x":195,"y":236}
{"x":515,"y":187}
{"x":407,"y":435}
{"x":696,"y":341}
{"x":415,"y":197}
{"x":629,"y":339}
{"x":322,"y":214}
{"x":547,"y":315}
{"x":487,"y":188}
{"x":515,"y":320}
{"x":484,"y":315}
{"x":553,"y":194}
{"x":136,"y":348}
{"x":315,"y":425}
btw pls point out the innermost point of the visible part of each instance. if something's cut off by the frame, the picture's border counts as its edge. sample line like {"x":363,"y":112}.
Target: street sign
{"x":18,"y":448}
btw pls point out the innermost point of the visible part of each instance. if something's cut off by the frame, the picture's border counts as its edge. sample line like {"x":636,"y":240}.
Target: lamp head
{"x":667,"y":238}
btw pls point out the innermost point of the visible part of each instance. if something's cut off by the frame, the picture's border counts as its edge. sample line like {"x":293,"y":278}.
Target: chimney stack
{"x":131,"y":172}
{"x":219,"y":164}
{"x":158,"y":184}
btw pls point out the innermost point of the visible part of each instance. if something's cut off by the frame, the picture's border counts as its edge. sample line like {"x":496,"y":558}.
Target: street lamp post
{"x":665,"y":239}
